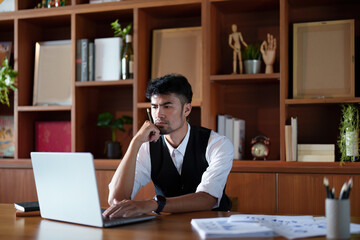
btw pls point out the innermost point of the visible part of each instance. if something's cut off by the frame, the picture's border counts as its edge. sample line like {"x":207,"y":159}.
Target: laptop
{"x":67,"y":190}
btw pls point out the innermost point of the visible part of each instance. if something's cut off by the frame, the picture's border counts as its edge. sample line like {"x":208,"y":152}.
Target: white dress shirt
{"x":219,"y":155}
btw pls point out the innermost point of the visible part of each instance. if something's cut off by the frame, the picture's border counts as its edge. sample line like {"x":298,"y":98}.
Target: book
{"x":239,"y":139}
{"x":221,"y":227}
{"x":229,"y":128}
{"x":107,"y":59}
{"x":288,"y":145}
{"x":7,"y":5}
{"x":5,"y":51}
{"x":7,"y":145}
{"x":316,"y":158}
{"x":19,"y":213}
{"x":82,"y":53}
{"x":27,"y":206}
{"x":91,"y":61}
{"x":53,"y":136}
{"x":294,"y":131}
{"x":316,"y":147}
{"x":221,"y":124}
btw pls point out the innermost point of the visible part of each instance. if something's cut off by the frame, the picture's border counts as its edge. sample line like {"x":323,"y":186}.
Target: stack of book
{"x":25,"y":209}
{"x":316,"y":152}
{"x":234,"y":129}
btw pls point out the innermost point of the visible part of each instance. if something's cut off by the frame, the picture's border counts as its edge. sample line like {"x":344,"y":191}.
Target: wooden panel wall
{"x":252,"y":192}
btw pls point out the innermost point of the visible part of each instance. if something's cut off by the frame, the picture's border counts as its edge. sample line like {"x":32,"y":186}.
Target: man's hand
{"x":130,"y":208}
{"x":268,"y":52}
{"x":148,"y":132}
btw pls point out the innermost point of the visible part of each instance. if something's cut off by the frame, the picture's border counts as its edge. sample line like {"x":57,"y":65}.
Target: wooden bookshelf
{"x":264,"y":101}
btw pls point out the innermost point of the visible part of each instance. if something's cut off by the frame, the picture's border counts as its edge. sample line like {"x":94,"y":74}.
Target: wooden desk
{"x":175,"y":226}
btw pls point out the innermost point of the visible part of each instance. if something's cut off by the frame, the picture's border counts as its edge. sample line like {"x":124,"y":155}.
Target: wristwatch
{"x":161,"y":201}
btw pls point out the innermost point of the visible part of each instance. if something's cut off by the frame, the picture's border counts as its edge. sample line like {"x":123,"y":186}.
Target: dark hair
{"x":171,"y":83}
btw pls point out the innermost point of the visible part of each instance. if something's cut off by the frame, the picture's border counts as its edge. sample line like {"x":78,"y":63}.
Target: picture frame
{"x":5,"y":51}
{"x":53,"y":73}
{"x":179,"y":50}
{"x":324,"y":59}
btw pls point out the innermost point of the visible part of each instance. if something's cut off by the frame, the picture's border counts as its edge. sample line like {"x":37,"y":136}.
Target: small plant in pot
{"x":252,"y":58}
{"x":348,"y":142}
{"x":7,"y":81}
{"x":106,"y":119}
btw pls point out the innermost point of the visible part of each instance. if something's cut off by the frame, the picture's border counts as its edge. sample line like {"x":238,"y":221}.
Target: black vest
{"x":168,"y":182}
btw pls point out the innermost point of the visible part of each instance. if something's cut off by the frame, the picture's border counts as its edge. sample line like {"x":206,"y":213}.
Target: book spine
{"x":78,"y":60}
{"x":229,"y":128}
{"x":316,"y":147}
{"x":221,"y":124}
{"x":91,"y":61}
{"x":84,"y":59}
{"x":294,"y":131}
{"x":316,"y":158}
{"x":288,"y":145}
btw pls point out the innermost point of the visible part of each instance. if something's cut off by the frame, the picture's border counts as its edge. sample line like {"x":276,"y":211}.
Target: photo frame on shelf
{"x":52,"y":73}
{"x":324,"y":59}
{"x":178,"y":50}
{"x":5,"y":51}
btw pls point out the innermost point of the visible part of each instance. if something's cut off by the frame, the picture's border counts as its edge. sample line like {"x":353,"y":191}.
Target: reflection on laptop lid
{"x":67,"y":189}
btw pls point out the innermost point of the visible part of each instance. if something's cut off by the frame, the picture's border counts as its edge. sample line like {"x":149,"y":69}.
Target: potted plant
{"x":348,"y":142}
{"x":252,"y":58}
{"x":7,"y":81}
{"x":120,"y":32}
{"x":106,"y":119}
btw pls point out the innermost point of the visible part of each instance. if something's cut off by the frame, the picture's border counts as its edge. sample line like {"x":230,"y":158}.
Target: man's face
{"x":168,"y":113}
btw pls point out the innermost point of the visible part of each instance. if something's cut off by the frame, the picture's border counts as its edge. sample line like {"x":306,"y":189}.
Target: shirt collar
{"x":182,"y":147}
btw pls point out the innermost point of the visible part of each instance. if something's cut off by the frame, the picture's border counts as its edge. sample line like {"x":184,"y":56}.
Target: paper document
{"x":254,"y":225}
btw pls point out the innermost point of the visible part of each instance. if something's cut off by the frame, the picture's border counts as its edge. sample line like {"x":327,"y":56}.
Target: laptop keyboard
{"x":122,"y":221}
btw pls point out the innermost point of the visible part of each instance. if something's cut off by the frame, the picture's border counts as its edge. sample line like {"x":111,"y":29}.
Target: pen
{"x":149,"y":115}
{"x":349,"y":184}
{"x":343,"y":191}
{"x":326,"y":184}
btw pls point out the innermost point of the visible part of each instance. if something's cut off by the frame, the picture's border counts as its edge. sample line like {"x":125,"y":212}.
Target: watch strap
{"x":161,"y":201}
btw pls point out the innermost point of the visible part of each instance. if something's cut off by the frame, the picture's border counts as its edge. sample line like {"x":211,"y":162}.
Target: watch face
{"x":259,"y":150}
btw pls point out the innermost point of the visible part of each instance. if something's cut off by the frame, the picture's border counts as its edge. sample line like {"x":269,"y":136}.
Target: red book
{"x":53,"y":136}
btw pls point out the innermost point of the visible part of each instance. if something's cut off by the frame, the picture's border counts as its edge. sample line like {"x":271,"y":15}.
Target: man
{"x":188,"y":165}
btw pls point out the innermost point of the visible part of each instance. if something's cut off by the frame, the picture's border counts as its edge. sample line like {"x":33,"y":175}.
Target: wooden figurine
{"x":268,"y":52}
{"x":235,"y":40}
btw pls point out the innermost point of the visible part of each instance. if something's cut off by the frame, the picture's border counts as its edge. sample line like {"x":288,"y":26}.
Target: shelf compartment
{"x":90,"y":102}
{"x":128,"y":82}
{"x":245,"y":14}
{"x":26,"y":128}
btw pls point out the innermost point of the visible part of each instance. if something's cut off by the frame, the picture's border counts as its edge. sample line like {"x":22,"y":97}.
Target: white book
{"x":229,"y":128}
{"x":288,"y":145}
{"x":316,"y":147}
{"x":239,"y":139}
{"x":294,"y":138}
{"x":316,"y":158}
{"x":315,"y":152}
{"x":221,"y":124}
{"x":107,"y":59}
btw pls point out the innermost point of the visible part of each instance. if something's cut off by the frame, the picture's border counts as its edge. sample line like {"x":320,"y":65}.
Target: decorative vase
{"x":252,"y":66}
{"x":352,"y":144}
{"x":113,"y":150}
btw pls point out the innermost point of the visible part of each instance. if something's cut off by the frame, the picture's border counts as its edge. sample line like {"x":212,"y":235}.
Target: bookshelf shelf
{"x":128,"y":82}
{"x":246,"y":78}
{"x":43,"y":108}
{"x":322,"y":101}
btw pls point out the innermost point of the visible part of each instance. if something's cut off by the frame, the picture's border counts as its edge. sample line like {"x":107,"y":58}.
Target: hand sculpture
{"x":237,"y":38}
{"x":268,"y":51}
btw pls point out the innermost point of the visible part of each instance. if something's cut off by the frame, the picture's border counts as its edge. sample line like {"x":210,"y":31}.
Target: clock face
{"x":259,"y":150}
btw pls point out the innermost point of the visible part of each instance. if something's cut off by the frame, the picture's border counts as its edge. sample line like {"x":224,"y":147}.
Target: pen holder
{"x":337,"y":218}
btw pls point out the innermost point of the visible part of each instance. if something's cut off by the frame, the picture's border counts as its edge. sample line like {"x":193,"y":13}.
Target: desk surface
{"x":175,"y":226}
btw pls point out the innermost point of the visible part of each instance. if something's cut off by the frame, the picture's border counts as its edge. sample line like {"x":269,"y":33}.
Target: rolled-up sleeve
{"x":142,"y":170}
{"x":220,"y":156}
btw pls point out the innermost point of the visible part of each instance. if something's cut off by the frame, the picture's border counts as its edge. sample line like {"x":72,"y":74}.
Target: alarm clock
{"x":260,"y":147}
